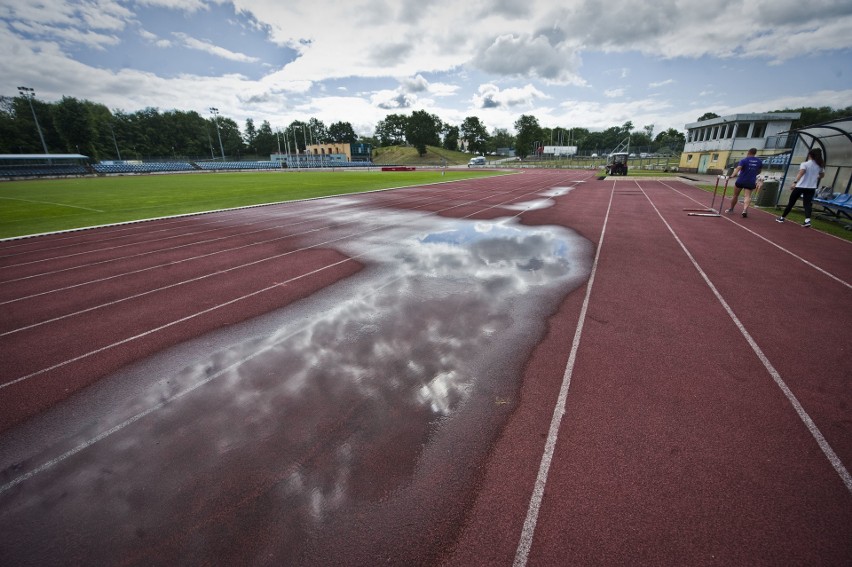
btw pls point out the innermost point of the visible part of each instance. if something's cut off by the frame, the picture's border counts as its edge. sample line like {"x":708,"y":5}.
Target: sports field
{"x":39,"y":206}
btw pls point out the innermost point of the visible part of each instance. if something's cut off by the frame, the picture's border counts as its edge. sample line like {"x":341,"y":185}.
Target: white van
{"x":478,"y":160}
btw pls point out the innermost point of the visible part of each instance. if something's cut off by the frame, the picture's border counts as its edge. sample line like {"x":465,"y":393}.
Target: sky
{"x":570,"y":63}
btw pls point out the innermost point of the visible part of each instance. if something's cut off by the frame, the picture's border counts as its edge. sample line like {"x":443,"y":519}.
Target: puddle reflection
{"x":343,"y":404}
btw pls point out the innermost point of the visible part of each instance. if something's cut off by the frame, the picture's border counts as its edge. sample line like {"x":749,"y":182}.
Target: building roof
{"x":749,"y":117}
{"x":41,"y":156}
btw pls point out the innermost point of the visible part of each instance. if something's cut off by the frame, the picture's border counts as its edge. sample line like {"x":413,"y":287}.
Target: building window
{"x":715,"y":157}
{"x":742,"y":130}
{"x":688,"y":157}
{"x":759,"y":130}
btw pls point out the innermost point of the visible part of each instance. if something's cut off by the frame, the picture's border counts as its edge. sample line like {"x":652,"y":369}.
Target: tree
{"x":342,"y":133}
{"x":528,"y":133}
{"x":297,"y":137}
{"x":391,"y":130}
{"x":451,"y":137}
{"x":475,"y":135}
{"x":810,"y":116}
{"x":671,"y":140}
{"x":231,"y":138}
{"x":423,"y":129}
{"x":707,"y":116}
{"x":500,"y":138}
{"x":266,"y":142}
{"x":250,"y":135}
{"x":317,"y":132}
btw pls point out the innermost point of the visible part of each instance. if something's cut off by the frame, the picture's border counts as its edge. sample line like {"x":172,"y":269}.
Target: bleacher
{"x":237,"y":165}
{"x":315,"y":162}
{"x":41,"y":170}
{"x":153,"y":167}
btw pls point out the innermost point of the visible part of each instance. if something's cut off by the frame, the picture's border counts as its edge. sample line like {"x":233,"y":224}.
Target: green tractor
{"x":616,"y":163}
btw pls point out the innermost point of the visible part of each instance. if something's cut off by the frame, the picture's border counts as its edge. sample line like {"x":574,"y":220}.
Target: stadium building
{"x":713,"y":146}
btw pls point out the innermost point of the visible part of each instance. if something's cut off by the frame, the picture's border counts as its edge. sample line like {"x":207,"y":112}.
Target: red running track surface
{"x":703,"y":372}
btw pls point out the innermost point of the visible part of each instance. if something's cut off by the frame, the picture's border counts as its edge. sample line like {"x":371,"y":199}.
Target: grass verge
{"x":47,"y":205}
{"x":797,"y":216}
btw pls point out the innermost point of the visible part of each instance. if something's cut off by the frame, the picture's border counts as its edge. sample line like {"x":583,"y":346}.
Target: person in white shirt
{"x":805,"y":185}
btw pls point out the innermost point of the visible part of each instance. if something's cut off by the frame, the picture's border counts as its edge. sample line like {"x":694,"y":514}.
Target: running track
{"x":703,"y":370}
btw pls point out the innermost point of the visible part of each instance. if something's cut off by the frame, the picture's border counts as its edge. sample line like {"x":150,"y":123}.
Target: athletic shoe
{"x":729,"y":211}
{"x":745,"y":214}
{"x":806,"y":224}
{"x":780,"y":219}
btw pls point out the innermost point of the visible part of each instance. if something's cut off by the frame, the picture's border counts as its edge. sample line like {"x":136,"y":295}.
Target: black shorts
{"x":744,"y":185}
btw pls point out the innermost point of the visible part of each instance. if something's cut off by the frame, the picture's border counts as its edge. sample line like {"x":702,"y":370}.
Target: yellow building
{"x":715,"y":145}
{"x":352,"y":152}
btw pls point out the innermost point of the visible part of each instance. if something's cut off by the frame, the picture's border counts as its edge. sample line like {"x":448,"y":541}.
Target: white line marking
{"x":229,"y":302}
{"x":50,"y":203}
{"x":88,"y":443}
{"x":776,"y":376}
{"x":778,"y":246}
{"x":528,"y":531}
{"x":129,"y":421}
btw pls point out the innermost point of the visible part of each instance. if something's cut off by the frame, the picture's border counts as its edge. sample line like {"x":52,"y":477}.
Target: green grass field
{"x":37,"y":206}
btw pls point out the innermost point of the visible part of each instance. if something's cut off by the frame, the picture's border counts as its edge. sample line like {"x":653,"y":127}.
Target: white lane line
{"x":191,"y":316}
{"x":133,"y":419}
{"x":778,"y":246}
{"x":776,"y":376}
{"x":188,"y":245}
{"x":192,"y":258}
{"x":51,"y":203}
{"x":528,"y":531}
{"x":88,"y":443}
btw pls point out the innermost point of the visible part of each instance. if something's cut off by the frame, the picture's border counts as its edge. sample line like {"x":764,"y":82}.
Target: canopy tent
{"x":834,"y":138}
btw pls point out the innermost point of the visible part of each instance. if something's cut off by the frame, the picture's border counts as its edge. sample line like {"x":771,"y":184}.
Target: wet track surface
{"x":538,"y":369}
{"x":328,"y":420}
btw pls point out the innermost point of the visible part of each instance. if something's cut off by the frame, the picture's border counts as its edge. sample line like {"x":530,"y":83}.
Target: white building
{"x":714,"y":145}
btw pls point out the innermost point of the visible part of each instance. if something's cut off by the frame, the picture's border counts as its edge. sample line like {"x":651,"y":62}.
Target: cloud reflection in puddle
{"x":337,"y":402}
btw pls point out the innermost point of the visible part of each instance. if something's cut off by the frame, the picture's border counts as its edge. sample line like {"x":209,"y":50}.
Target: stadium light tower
{"x":215,"y":113}
{"x":29,"y":94}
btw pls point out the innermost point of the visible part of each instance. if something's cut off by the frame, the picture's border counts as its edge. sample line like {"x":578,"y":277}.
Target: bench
{"x":837,"y":207}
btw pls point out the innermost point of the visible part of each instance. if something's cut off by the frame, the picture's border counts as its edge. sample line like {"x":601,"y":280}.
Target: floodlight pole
{"x":29,"y":94}
{"x":114,"y":141}
{"x":215,"y":113}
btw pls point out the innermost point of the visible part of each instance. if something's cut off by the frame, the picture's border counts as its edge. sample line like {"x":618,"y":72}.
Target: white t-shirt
{"x":810,"y":179}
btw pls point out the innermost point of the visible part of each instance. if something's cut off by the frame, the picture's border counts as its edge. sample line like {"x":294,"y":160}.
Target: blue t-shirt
{"x":750,"y":166}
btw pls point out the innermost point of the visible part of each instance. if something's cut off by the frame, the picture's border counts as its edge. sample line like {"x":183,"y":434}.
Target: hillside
{"x":405,"y":155}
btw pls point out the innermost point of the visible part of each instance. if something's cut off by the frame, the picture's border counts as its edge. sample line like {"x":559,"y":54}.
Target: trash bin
{"x":768,"y":193}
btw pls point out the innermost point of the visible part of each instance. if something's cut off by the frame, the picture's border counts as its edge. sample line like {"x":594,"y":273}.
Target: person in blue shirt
{"x":746,"y":173}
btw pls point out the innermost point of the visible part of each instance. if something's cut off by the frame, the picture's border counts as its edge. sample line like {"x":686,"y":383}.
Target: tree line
{"x":71,"y":125}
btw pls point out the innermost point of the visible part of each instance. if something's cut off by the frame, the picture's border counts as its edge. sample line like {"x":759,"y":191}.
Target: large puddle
{"x":363,"y":408}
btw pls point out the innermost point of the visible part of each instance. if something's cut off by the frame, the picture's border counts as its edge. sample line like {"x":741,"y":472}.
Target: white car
{"x":478,"y":160}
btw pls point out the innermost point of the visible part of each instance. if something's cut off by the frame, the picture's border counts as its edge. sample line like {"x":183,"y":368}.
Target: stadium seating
{"x":237,"y":165}
{"x":839,"y":206}
{"x":141,"y":167}
{"x":41,"y":170}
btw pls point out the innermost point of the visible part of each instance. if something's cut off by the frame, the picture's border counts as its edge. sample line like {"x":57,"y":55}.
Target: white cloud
{"x":491,"y":96}
{"x":494,"y":59}
{"x":529,"y":56}
{"x":199,"y":45}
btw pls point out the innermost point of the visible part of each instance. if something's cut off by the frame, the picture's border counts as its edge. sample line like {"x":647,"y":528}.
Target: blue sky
{"x":573,"y":63}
